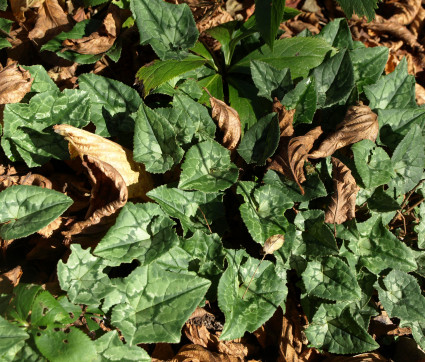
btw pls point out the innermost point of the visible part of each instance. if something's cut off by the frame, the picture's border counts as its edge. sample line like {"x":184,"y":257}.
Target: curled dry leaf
{"x":100,"y":41}
{"x":286,"y":118}
{"x":15,"y":82}
{"x":10,"y":279}
{"x":109,"y":194}
{"x":360,"y":123}
{"x":51,"y":20}
{"x":81,"y":142}
{"x":417,"y":23}
{"x":420,"y":94}
{"x":343,"y":203}
{"x":291,"y":156}
{"x":228,"y":121}
{"x":364,"y":357}
{"x":36,"y":180}
{"x":404,"y":11}
{"x":196,"y":353}
{"x":273,"y":243}
{"x":20,"y":6}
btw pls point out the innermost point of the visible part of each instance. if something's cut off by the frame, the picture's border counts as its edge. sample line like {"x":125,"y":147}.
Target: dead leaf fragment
{"x":10,"y":279}
{"x":273,"y":243}
{"x":20,"y":6}
{"x":228,"y":121}
{"x":51,"y":20}
{"x":196,"y":353}
{"x":109,"y":194}
{"x":291,"y":156}
{"x":81,"y":142}
{"x":100,"y":41}
{"x":15,"y":82}
{"x":285,"y":117}
{"x":364,"y":357}
{"x":360,"y":123}
{"x":404,"y":11}
{"x":343,"y":202}
{"x":420,"y":94}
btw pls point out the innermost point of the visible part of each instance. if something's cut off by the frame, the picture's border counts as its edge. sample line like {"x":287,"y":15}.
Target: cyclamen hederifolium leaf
{"x":330,"y":278}
{"x":270,"y":81}
{"x":5,"y":26}
{"x":408,"y":161}
{"x":28,"y":134}
{"x":334,"y":80}
{"x":112,"y":104}
{"x":359,"y":7}
{"x":263,"y":210}
{"x":338,"y":332}
{"x":420,"y":228}
{"x":155,"y":142}
{"x":42,"y":82}
{"x":190,"y":207}
{"x":109,"y":347}
{"x":378,"y":248}
{"x":141,"y":231}
{"x":401,"y":297}
{"x":157,"y":303}
{"x":395,"y":90}
{"x":170,"y":29}
{"x":27,"y":209}
{"x":372,"y":163}
{"x":267,"y":291}
{"x":260,"y":141}
{"x":207,"y":168}
{"x":10,"y":336}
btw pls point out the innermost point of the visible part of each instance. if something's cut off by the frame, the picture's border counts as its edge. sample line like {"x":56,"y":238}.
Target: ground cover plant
{"x":252,"y":191}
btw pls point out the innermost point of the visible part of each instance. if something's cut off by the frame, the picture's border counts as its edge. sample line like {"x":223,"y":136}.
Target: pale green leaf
{"x":42,"y":82}
{"x":27,"y":209}
{"x":10,"y":335}
{"x":420,"y":227}
{"x":207,"y":168}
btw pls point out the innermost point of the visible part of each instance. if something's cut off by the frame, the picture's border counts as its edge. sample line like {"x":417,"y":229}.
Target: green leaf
{"x":153,"y":75}
{"x":303,"y":98}
{"x":263,"y":210}
{"x":408,"y":161}
{"x":142,"y":231}
{"x":401,"y":297}
{"x":29,"y":209}
{"x":298,"y":54}
{"x":58,"y":346}
{"x":187,"y":206}
{"x":82,"y":277}
{"x":269,"y":15}
{"x":261,"y":140}
{"x":420,"y":228}
{"x":381,"y":201}
{"x":42,"y":82}
{"x":170,"y":29}
{"x":330,"y":278}
{"x":418,"y":331}
{"x":337,"y":33}
{"x":3,"y":5}
{"x":270,"y":81}
{"x":360,"y":7}
{"x":153,"y":298}
{"x":334,"y":80}
{"x":21,"y":303}
{"x":214,"y":83}
{"x":10,"y":335}
{"x":395,"y":90}
{"x":28,"y":134}
{"x":372,"y":163}
{"x":338,"y":332}
{"x":155,"y":142}
{"x":267,"y":291}
{"x":207,"y":168}
{"x":47,"y":311}
{"x":368,"y":65}
{"x":110,"y":348}
{"x":5,"y":26}
{"x":112,"y":104}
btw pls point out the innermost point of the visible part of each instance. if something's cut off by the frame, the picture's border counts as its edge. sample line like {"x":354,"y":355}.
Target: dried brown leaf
{"x":290,"y":157}
{"x":10,"y":279}
{"x":81,"y":142}
{"x":228,"y":121}
{"x":286,"y":118}
{"x":48,"y":230}
{"x":51,"y":20}
{"x":100,"y":41}
{"x":297,"y":26}
{"x":36,"y":180}
{"x":418,"y":22}
{"x":273,"y":243}
{"x":20,"y":6}
{"x":218,"y":17}
{"x":343,"y":203}
{"x":109,"y":194}
{"x":162,"y":352}
{"x":420,"y":94}
{"x":405,"y":10}
{"x":364,"y":357}
{"x":196,"y":353}
{"x":360,"y":123}
{"x":15,"y":82}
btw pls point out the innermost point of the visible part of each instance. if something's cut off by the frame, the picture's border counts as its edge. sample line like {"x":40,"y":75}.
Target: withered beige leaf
{"x":196,"y":353}
{"x":109,"y":194}
{"x":286,"y":118}
{"x":51,"y":20}
{"x":290,"y":157}
{"x":404,"y":11}
{"x":100,"y":41}
{"x":420,"y":94}
{"x":417,"y":23}
{"x":273,"y":243}
{"x":364,"y":357}
{"x":15,"y":82}
{"x":228,"y":121}
{"x":20,"y":6}
{"x":48,"y":230}
{"x":10,"y":279}
{"x":81,"y":142}
{"x":343,"y":203}
{"x":360,"y":123}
